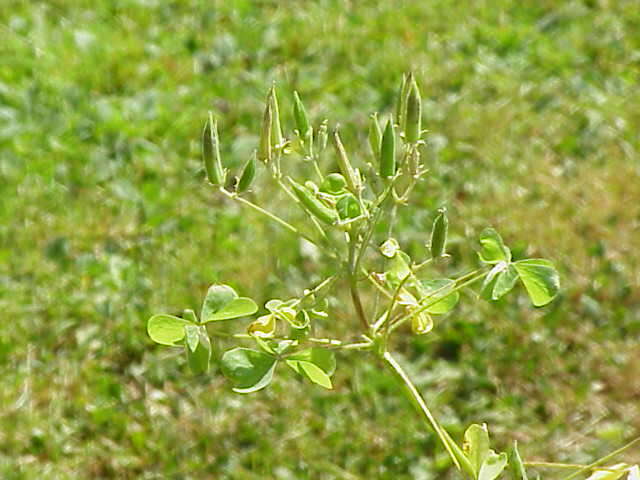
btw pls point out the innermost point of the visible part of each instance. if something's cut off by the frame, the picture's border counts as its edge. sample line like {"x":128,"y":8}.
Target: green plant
{"x":345,"y":211}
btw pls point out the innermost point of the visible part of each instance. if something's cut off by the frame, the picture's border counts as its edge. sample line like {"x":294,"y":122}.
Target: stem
{"x":353,"y":282}
{"x":421,"y":406}
{"x":602,"y":460}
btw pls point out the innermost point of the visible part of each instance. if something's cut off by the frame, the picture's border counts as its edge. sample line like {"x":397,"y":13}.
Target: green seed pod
{"x":264,"y":149}
{"x":248,"y":175}
{"x":333,"y":183}
{"x":276,"y":130}
{"x":300,"y":114}
{"x":345,"y":165}
{"x":312,"y":204}
{"x":323,"y":135}
{"x":403,"y":84}
{"x":211,"y":152}
{"x":402,"y":100}
{"x":413,"y":123}
{"x":439,"y":233}
{"x":388,"y":151}
{"x":375,"y":135}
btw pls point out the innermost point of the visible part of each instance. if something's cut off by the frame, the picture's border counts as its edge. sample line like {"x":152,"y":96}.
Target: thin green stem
{"x":419,"y":403}
{"x":353,"y":282}
{"x":602,"y":460}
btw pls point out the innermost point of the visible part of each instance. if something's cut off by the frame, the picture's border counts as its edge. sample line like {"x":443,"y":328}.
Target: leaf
{"x":398,"y":268}
{"x":486,"y":291}
{"x":193,"y":339}
{"x":166,"y":329}
{"x":389,"y":248}
{"x":505,"y":281}
{"x":492,"y":466}
{"x":611,"y":473}
{"x":250,"y":370}
{"x":517,"y":465}
{"x":421,"y":323}
{"x":449,"y":300}
{"x":316,"y":375}
{"x":322,"y":357}
{"x":476,"y":445}
{"x":263,"y":327}
{"x":199,"y":357}
{"x":493,"y":248}
{"x":540,"y":278}
{"x":223,"y":303}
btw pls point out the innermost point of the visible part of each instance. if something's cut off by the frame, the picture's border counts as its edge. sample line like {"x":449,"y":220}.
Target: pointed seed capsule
{"x":404,"y":94}
{"x":300,"y":115}
{"x":345,"y":165}
{"x":388,"y":151}
{"x":413,"y":125}
{"x":248,"y":175}
{"x":375,"y":135}
{"x":399,"y":99}
{"x":439,"y":233}
{"x":314,"y":206}
{"x":276,"y":129}
{"x":264,"y":148}
{"x":211,"y":152}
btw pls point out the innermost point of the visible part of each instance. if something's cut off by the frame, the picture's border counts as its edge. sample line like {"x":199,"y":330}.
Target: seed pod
{"x":388,"y":151}
{"x":399,"y":99}
{"x":211,"y":152}
{"x":402,"y":100}
{"x":264,"y":149}
{"x":312,"y":204}
{"x":439,"y":233}
{"x":276,"y":130}
{"x":348,"y":173}
{"x":248,"y":175}
{"x":375,"y":135}
{"x":413,"y":123}
{"x":323,"y":136}
{"x":300,"y":114}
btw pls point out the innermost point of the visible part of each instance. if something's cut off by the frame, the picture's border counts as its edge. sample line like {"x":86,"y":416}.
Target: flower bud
{"x":248,"y":175}
{"x":300,"y":115}
{"x":353,"y":181}
{"x":413,"y":122}
{"x":439,"y":233}
{"x":211,"y":152}
{"x":264,"y":148}
{"x":388,"y":152}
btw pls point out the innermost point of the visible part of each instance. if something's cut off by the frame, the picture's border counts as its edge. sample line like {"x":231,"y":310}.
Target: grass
{"x":533,"y":113}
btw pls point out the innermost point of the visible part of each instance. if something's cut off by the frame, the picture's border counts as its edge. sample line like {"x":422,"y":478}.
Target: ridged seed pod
{"x":312,"y":204}
{"x":375,"y":135}
{"x":413,"y":123}
{"x":344,"y":164}
{"x":388,"y":151}
{"x":248,"y":175}
{"x":211,"y":152}
{"x":264,"y":148}
{"x":300,"y":115}
{"x":439,"y":234}
{"x":276,"y":129}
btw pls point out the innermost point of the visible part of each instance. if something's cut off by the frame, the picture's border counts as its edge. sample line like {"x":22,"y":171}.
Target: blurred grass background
{"x":534,"y":117}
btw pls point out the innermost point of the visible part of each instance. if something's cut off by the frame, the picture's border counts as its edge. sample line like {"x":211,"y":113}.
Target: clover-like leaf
{"x":263,"y":327}
{"x":493,"y":248}
{"x":504,"y":282}
{"x":398,"y":268}
{"x":476,"y":445}
{"x":443,"y":286}
{"x":540,"y":278}
{"x":492,"y":466}
{"x":248,"y":369}
{"x":198,"y":349}
{"x":421,"y":323}
{"x":167,"y":329}
{"x":223,"y":303}
{"x":316,"y":374}
{"x":322,"y":357}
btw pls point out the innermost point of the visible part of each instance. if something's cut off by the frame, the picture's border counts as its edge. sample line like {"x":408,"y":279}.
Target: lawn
{"x":533,"y":111}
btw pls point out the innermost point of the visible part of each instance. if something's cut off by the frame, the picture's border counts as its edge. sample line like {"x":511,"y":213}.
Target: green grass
{"x":534,"y":113}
